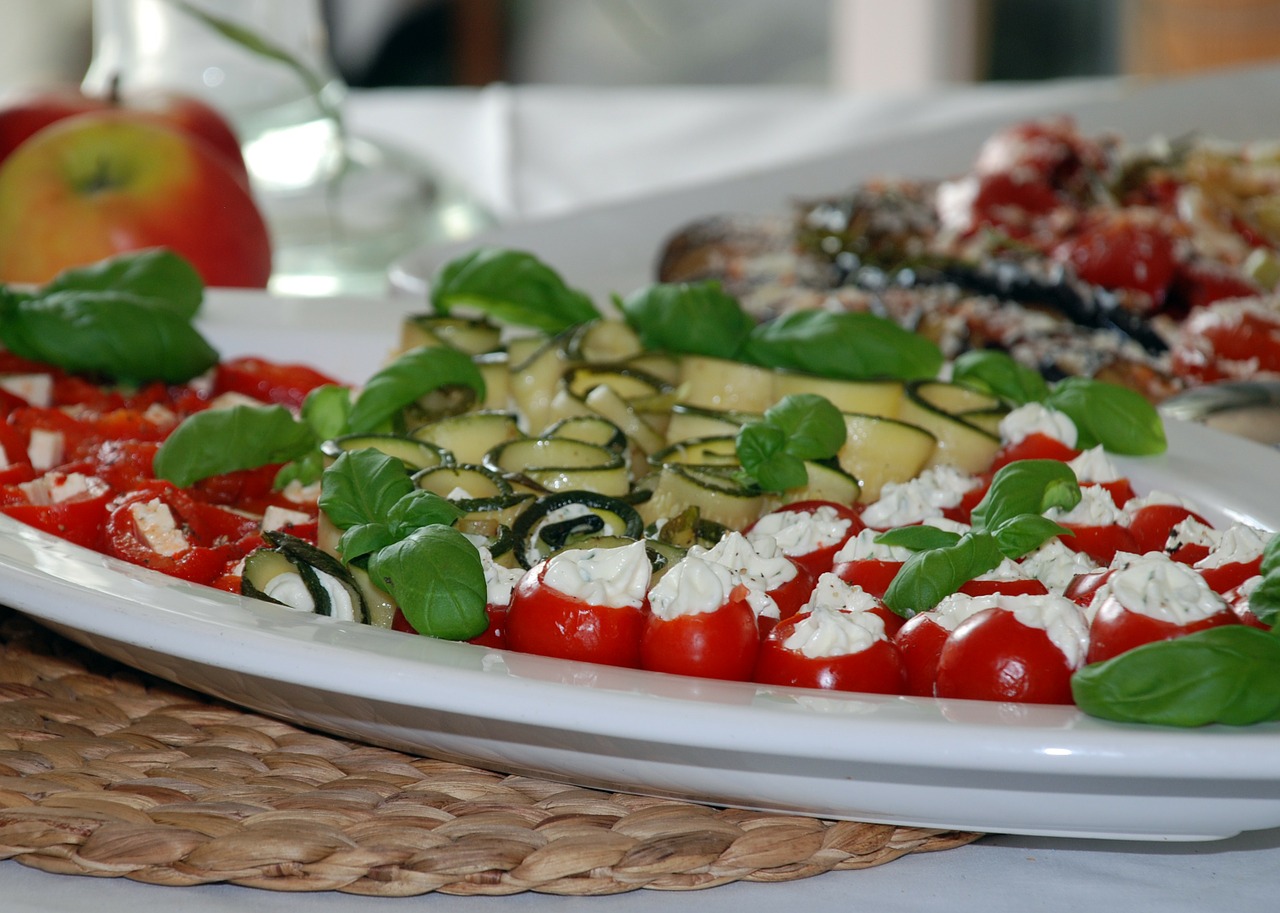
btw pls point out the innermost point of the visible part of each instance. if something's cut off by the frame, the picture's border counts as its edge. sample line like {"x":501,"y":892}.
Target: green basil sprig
{"x":511,"y":287}
{"x":844,"y":344}
{"x":1121,"y":420}
{"x":799,"y":427}
{"x":218,"y":441}
{"x":403,"y":537}
{"x":1006,"y":523}
{"x":691,"y":318}
{"x":1228,"y":674}
{"x":127,"y":318}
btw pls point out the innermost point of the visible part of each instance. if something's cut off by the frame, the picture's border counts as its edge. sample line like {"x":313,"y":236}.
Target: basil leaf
{"x":111,"y":333}
{"x":364,"y":539}
{"x":436,"y":579}
{"x":304,"y":469}
{"x":927,"y":577}
{"x":1025,"y":533}
{"x":690,"y":318}
{"x":511,"y":287}
{"x":158,"y":275}
{"x":1026,"y":487}
{"x":1121,"y":420}
{"x":362,"y":486}
{"x":1270,"y":556}
{"x":1264,"y":601}
{"x":998,"y":373}
{"x":762,"y":451}
{"x":421,"y":508}
{"x":845,"y":344}
{"x":327,"y":411}
{"x":813,"y":428}
{"x":413,"y":374}
{"x":218,"y":441}
{"x":1228,"y":674}
{"x":919,"y":538}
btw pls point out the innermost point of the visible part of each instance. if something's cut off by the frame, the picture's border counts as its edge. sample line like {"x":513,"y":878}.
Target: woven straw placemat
{"x":106,"y":771}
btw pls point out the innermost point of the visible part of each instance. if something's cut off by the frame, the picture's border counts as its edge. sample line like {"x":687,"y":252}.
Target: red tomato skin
{"x":1120,"y":252}
{"x":79,"y":520}
{"x":1027,"y":587}
{"x":878,"y":669}
{"x":872,"y":574}
{"x":991,"y":656}
{"x":268,"y":381}
{"x":1152,"y":524}
{"x":893,"y":622}
{"x":792,"y":595}
{"x":547,"y":622}
{"x":495,"y":635}
{"x":920,"y":642}
{"x":203,"y":562}
{"x":1115,"y":629}
{"x":722,"y":644}
{"x":1238,"y":600}
{"x":1213,"y":336}
{"x":1099,"y":542}
{"x":1082,"y":587}
{"x":1035,"y":446}
{"x":1121,"y":490}
{"x":819,"y":561}
{"x":1227,"y":577}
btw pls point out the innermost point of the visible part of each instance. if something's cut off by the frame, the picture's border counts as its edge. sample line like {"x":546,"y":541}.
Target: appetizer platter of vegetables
{"x":818,"y":501}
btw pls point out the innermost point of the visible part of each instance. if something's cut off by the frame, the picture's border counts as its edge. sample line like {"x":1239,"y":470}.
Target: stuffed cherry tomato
{"x":775,"y":586}
{"x":1235,"y":558}
{"x":1024,"y":649}
{"x":810,"y":533}
{"x":1133,"y":250}
{"x":584,"y":604}
{"x":1151,"y":522}
{"x":700,"y":623}
{"x":1151,"y":598}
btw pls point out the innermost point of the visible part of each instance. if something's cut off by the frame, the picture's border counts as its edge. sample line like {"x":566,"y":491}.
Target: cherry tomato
{"x":920,"y":642}
{"x":1035,"y":446}
{"x":819,"y":561}
{"x":268,"y":381}
{"x":1015,"y":587}
{"x":872,"y":574}
{"x":991,"y":656}
{"x":1115,"y":629}
{"x":1226,"y":577}
{"x":1122,"y":252}
{"x":1050,"y":151}
{"x":720,"y":644}
{"x":791,"y":596}
{"x":878,"y":669}
{"x":1101,"y":543}
{"x":1200,"y":282}
{"x":545,"y":621}
{"x":1151,"y":525}
{"x":1238,"y":600}
{"x":1083,"y":587}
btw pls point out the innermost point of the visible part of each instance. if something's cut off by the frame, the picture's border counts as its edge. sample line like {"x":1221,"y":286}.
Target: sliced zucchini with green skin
{"x":826,"y":483}
{"x":607,"y":402}
{"x":868,"y":397}
{"x":473,"y":336}
{"x":557,"y":521}
{"x":628,"y":383}
{"x":496,"y":374}
{"x":661,"y":365}
{"x":714,"y":493}
{"x":296,"y":574}
{"x":880,"y":450}
{"x":602,"y":342}
{"x":593,"y":429}
{"x":687,"y":529}
{"x":721,"y":450}
{"x":471,"y":435}
{"x":718,"y":383}
{"x":379,"y":605}
{"x":690,"y":421}
{"x":535,"y":367}
{"x":332,"y":574}
{"x":413,"y":453}
{"x":953,"y":399}
{"x":560,"y":464}
{"x":960,"y":444}
{"x":479,"y":482}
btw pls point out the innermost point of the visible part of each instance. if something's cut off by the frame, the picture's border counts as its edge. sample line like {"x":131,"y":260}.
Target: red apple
{"x":26,"y":115}
{"x":100,"y":183}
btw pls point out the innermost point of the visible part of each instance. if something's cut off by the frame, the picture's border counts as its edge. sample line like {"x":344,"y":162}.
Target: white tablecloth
{"x":536,"y":152}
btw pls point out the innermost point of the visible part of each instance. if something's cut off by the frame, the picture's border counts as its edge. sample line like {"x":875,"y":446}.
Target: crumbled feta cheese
{"x":35,"y":389}
{"x":274,"y":518}
{"x":57,"y":487}
{"x":154,"y":522}
{"x":1036,"y":418}
{"x":45,"y":449}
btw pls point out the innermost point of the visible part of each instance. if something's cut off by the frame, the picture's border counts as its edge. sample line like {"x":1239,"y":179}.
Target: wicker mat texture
{"x":105,"y":771}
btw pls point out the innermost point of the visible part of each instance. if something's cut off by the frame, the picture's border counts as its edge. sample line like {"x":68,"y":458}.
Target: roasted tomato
{"x":876,"y":668}
{"x":270,"y":382}
{"x":1123,"y":251}
{"x":70,"y":505}
{"x":549,"y":622}
{"x":992,"y":656}
{"x":1228,"y":340}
